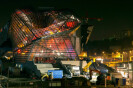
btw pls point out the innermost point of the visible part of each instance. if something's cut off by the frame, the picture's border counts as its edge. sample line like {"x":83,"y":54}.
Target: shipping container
{"x":56,"y":74}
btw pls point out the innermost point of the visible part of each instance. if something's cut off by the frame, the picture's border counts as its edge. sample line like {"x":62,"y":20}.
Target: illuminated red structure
{"x":42,"y":35}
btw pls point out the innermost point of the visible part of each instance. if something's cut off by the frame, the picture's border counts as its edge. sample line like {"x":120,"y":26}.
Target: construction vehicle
{"x":88,"y":72}
{"x":85,"y":69}
{"x":97,"y":72}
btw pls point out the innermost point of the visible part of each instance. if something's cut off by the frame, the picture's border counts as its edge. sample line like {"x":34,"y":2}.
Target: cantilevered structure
{"x":37,"y":36}
{"x":42,"y":35}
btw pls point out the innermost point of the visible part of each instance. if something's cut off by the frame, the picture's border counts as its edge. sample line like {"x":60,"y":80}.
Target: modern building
{"x":37,"y":36}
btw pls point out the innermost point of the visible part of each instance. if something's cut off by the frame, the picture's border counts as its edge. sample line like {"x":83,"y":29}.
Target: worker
{"x":50,"y":76}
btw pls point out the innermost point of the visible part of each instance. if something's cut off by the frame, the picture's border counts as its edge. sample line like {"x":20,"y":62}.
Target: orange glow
{"x":75,"y":30}
{"x":8,"y":58}
{"x":34,"y":38}
{"x":19,"y":51}
{"x":117,"y":55}
{"x":83,"y":54}
{"x":18,"y":12}
{"x":25,"y":51}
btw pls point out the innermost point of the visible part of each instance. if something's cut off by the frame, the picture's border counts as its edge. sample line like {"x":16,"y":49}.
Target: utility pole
{"x":128,"y":62}
{"x":81,"y":64}
{"x":132,"y":74}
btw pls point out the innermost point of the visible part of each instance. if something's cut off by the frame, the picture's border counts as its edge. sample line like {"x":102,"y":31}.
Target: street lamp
{"x":121,"y":57}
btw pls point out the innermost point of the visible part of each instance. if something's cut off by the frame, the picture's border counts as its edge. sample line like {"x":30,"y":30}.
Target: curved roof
{"x":46,"y":32}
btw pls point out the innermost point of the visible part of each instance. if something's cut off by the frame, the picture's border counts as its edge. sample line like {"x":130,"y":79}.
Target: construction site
{"x":47,"y":52}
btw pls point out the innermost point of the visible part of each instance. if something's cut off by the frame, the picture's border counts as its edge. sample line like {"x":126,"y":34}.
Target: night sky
{"x":117,"y":14}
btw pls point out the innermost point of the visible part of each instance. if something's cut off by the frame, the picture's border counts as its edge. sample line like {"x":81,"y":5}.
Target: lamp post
{"x":121,"y":57}
{"x":103,"y":55}
{"x":128,"y":59}
{"x":131,"y":67}
{"x":128,"y":62}
{"x":132,"y":74}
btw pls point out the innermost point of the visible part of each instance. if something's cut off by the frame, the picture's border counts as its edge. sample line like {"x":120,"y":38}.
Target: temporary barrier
{"x":124,"y":81}
{"x":108,"y":78}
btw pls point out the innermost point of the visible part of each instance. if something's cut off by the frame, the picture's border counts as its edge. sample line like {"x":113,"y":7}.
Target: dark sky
{"x":117,"y":14}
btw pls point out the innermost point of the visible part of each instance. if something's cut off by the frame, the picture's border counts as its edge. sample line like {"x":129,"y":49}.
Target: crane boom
{"x":87,"y":66}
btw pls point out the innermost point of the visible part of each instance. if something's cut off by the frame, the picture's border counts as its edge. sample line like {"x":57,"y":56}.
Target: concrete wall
{"x":77,"y":63}
{"x":76,"y":41}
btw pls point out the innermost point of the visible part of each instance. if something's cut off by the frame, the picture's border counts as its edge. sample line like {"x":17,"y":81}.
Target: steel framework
{"x":42,"y":34}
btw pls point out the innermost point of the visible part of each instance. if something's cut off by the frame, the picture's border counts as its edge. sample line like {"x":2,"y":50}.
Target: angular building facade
{"x":37,"y":36}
